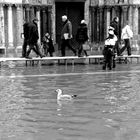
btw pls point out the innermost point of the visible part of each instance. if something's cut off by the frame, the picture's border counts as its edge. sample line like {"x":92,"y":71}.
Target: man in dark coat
{"x":33,"y":37}
{"x":25,"y":42}
{"x":82,"y":37}
{"x":66,"y":35}
{"x":115,"y":25}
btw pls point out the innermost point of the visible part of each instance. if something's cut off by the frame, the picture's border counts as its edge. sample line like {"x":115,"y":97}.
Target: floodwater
{"x":107,"y":106}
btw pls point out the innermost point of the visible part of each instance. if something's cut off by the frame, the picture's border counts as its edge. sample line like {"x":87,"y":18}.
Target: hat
{"x":83,"y":21}
{"x":111,"y":32}
{"x":111,"y":28}
{"x":64,"y":17}
{"x":47,"y":34}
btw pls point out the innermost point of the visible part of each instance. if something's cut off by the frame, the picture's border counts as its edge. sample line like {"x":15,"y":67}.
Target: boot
{"x":27,"y":55}
{"x":104,"y":67}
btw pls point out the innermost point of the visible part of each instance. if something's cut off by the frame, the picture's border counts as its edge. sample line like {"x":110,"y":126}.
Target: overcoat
{"x":81,"y":35}
{"x":67,"y":28}
{"x":33,"y":35}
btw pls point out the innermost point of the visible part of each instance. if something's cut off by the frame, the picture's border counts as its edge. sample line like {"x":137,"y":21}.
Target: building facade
{"x":97,"y":13}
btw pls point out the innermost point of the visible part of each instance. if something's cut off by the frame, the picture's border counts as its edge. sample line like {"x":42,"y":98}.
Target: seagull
{"x":61,"y":96}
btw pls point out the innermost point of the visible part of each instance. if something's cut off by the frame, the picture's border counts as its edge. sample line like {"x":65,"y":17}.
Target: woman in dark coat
{"x":82,"y":37}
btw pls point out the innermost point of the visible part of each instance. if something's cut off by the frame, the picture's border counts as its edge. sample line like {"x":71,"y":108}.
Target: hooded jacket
{"x":33,"y":35}
{"x":67,"y":29}
{"x":81,"y":35}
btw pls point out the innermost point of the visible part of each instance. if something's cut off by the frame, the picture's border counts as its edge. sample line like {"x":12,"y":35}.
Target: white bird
{"x":61,"y":96}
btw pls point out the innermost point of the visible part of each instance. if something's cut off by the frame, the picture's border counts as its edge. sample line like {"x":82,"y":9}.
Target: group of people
{"x":66,"y":36}
{"x":111,"y":46}
{"x":31,"y":37}
{"x":112,"y":43}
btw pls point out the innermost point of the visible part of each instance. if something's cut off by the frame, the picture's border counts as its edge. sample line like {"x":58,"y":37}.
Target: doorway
{"x":74,"y":12}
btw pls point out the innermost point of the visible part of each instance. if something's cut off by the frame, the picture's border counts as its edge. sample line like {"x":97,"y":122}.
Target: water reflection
{"x":107,"y":106}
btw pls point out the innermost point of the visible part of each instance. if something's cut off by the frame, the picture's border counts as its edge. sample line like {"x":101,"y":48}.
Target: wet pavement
{"x":106,"y":108}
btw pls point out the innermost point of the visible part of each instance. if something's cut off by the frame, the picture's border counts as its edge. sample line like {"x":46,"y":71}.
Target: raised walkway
{"x":90,"y":59}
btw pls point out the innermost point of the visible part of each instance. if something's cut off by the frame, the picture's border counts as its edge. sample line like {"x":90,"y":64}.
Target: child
{"x":109,"y":50}
{"x":48,"y":45}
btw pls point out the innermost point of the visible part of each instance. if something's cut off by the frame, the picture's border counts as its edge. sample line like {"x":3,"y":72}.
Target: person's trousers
{"x":24,"y":48}
{"x":65,"y":43}
{"x":109,"y":60}
{"x":127,"y":46}
{"x":46,"y":51}
{"x":35,"y":48}
{"x":80,"y":49}
{"x":117,"y":48}
{"x":37,"y":45}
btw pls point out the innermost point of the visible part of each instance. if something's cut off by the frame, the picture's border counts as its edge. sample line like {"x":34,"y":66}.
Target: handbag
{"x":66,"y":36}
{"x":86,"y":46}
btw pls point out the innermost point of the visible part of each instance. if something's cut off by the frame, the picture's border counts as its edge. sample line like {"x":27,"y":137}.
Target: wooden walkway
{"x":96,"y":58}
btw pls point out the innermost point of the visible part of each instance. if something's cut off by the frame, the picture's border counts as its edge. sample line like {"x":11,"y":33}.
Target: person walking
{"x":25,"y":42}
{"x":82,"y":37}
{"x":66,"y":35}
{"x":115,"y":25}
{"x":33,"y":37}
{"x":48,"y":45}
{"x":126,"y":35}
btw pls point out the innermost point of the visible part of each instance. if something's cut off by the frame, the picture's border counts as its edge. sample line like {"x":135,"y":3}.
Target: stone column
{"x":130,"y":15}
{"x":86,"y":14}
{"x":49,"y":20}
{"x":19,"y":25}
{"x":124,"y":8}
{"x":135,"y":18}
{"x":38,"y":24}
{"x":101,"y":24}
{"x":135,"y":28}
{"x":107,"y":20}
{"x":92,"y":24}
{"x":2,"y":35}
{"x":113,"y":12}
{"x":44,"y":21}
{"x":53,"y":23}
{"x":116,"y":8}
{"x":98,"y":24}
{"x":10,"y":26}
{"x":27,"y":13}
{"x":32,"y":15}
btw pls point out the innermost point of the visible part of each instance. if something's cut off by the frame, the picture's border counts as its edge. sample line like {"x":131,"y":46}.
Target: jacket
{"x":33,"y":35}
{"x":25,"y":30}
{"x":115,"y":25}
{"x":67,"y":29}
{"x":126,"y":32}
{"x":81,"y":35}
